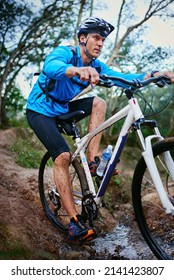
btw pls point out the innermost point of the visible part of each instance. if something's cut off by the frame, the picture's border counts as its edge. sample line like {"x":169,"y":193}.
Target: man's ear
{"x":82,"y":38}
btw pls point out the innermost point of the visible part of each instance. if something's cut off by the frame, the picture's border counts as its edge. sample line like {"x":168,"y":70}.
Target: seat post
{"x":76,"y":131}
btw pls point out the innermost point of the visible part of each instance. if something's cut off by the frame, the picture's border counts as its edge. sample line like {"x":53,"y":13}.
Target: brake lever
{"x":164,"y":81}
{"x":105,"y":82}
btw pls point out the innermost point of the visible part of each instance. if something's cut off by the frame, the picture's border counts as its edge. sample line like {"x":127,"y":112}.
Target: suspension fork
{"x":151,"y":165}
{"x":152,"y":168}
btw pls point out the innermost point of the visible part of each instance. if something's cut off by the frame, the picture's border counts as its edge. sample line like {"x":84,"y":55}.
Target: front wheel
{"x":156,"y":226}
{"x":49,"y":195}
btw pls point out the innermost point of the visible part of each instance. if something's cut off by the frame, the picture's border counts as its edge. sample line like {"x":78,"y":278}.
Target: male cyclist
{"x":62,"y":78}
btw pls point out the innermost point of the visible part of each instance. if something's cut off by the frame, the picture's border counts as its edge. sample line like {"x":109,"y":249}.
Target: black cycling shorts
{"x":46,"y":127}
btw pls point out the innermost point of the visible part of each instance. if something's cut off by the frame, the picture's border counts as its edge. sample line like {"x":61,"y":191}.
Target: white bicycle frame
{"x":132,"y":112}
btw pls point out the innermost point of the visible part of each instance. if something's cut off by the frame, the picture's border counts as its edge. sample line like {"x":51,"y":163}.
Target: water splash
{"x":116,"y":244}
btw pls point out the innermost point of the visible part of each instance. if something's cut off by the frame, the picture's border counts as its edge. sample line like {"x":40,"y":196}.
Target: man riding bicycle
{"x":66,"y":72}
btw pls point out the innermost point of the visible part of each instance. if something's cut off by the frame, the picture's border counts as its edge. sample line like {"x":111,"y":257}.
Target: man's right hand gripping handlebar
{"x":84,"y":73}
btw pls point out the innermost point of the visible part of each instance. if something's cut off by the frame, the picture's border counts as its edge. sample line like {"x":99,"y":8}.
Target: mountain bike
{"x":153,"y":179}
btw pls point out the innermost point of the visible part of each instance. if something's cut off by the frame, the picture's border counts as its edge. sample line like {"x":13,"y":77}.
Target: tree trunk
{"x":82,"y":4}
{"x":3,"y":116}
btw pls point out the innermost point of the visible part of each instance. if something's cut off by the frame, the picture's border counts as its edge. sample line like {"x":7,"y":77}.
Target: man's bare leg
{"x":77,"y":229}
{"x":62,"y":181}
{"x":97,"y":117}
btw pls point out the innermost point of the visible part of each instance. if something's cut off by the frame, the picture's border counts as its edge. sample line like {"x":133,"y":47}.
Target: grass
{"x":21,"y":253}
{"x":18,"y":252}
{"x":25,"y":154}
{"x":15,"y":253}
{"x":27,"y":149}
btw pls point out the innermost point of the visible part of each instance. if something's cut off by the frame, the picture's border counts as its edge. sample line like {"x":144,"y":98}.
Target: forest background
{"x":29,"y":30}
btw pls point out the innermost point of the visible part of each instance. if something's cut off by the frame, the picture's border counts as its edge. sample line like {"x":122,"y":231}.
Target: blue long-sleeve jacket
{"x":64,"y":89}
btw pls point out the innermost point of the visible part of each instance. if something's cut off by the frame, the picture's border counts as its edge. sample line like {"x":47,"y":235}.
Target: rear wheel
{"x":156,"y":226}
{"x":49,"y":195}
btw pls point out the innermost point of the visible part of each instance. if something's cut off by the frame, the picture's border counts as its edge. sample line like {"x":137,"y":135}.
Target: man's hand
{"x":168,"y":74}
{"x":84,"y":73}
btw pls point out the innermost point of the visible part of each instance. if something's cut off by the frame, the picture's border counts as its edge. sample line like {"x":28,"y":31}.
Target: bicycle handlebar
{"x":108,"y":81}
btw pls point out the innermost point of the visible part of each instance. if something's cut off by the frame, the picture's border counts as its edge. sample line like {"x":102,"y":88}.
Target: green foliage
{"x":25,"y":154}
{"x":18,"y":122}
{"x":32,"y":32}
{"x":13,"y":14}
{"x":17,"y":252}
{"x":15,"y":102}
{"x":27,"y":149}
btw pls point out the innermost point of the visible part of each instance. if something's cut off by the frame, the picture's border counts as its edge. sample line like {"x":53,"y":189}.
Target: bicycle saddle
{"x":71,"y":117}
{"x":64,"y":122}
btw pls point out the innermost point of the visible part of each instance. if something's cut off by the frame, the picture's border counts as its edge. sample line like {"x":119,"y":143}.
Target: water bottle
{"x":106,"y":155}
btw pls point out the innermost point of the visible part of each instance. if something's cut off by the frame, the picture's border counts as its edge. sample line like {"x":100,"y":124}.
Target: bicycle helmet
{"x":95,"y":25}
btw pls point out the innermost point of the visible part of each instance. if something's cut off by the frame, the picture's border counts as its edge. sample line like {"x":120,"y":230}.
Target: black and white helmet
{"x":95,"y":25}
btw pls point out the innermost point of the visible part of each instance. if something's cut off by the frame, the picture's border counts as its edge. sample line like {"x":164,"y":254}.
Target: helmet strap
{"x":85,"y":49}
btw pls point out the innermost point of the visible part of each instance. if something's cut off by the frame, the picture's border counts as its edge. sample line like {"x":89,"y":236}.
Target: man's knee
{"x":99,"y":104}
{"x":62,"y":159}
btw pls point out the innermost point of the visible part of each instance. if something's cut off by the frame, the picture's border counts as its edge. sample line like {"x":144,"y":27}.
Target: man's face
{"x":94,"y":44}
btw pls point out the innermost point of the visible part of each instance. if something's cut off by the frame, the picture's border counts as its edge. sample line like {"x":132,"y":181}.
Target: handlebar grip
{"x":164,"y":81}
